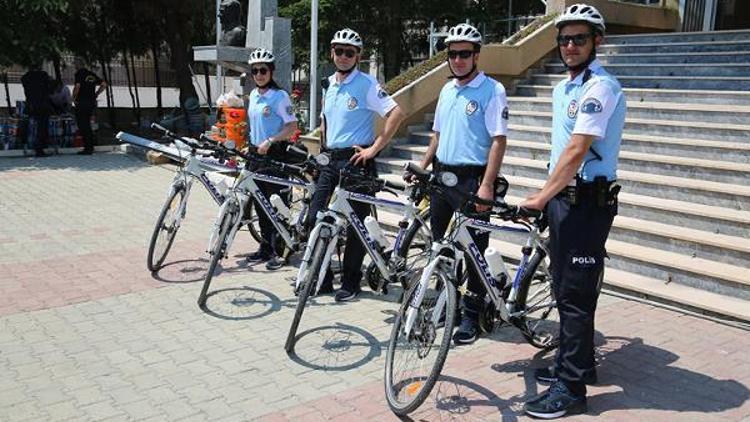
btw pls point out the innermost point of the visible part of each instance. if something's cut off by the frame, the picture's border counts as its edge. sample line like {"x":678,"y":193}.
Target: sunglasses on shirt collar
{"x":578,"y":39}
{"x":261,"y":70}
{"x":464,"y":54}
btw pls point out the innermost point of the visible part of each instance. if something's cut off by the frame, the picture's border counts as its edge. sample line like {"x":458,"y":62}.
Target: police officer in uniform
{"x":272,"y":122}
{"x":581,"y":202}
{"x":350,"y":105}
{"x":470,"y":127}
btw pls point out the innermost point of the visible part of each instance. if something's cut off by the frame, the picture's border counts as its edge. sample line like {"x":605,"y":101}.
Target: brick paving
{"x":86,"y":333}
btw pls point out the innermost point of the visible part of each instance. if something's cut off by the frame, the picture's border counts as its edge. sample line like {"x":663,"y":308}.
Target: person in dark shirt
{"x":37,"y":86}
{"x":88,"y":86}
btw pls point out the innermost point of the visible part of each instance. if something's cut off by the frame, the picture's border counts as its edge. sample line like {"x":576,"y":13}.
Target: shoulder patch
{"x":289,"y":110}
{"x":505,"y":113}
{"x":591,"y":106}
{"x":382,"y":93}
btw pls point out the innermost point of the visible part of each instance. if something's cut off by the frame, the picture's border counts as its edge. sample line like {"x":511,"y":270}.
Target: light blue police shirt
{"x":350,"y":107}
{"x":595,"y":107}
{"x":467,"y":118}
{"x":267,"y":114}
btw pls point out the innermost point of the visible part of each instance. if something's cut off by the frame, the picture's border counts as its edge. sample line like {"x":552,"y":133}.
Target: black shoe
{"x":274,"y":263}
{"x":547,"y":376}
{"x":556,"y":402}
{"x":258,"y":256}
{"x":41,"y":154}
{"x":468,"y":331}
{"x":345,"y":295}
{"x":85,"y":152}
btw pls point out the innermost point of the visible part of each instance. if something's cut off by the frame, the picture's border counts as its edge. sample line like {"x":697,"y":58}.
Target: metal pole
{"x":314,"y":66}
{"x":510,"y":17}
{"x":219,"y":79}
{"x":431,"y":39}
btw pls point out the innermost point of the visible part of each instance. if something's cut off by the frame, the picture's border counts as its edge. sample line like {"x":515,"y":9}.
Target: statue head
{"x":230,"y":14}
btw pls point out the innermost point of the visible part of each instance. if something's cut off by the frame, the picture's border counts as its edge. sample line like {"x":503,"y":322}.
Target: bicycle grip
{"x":156,"y":126}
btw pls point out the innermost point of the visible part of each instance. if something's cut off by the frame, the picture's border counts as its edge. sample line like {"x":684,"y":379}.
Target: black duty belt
{"x":461,"y":170}
{"x":338,"y":154}
{"x":602,"y":191}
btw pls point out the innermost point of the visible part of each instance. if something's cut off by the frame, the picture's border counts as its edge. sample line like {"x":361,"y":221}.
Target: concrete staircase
{"x":683,"y":231}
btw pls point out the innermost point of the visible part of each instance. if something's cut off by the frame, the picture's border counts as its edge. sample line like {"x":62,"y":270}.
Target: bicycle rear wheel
{"x":535,"y":313}
{"x":414,"y":362}
{"x":305,"y":290}
{"x":217,"y":251}
{"x":165,"y":230}
{"x":415,"y":247}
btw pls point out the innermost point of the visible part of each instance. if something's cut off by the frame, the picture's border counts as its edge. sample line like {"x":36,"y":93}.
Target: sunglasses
{"x":261,"y":70}
{"x":578,"y":39}
{"x":464,"y":54}
{"x":348,"y":52}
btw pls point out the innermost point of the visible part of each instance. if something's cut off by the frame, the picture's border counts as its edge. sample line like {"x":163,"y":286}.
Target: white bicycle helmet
{"x":260,"y":55}
{"x":347,"y":36}
{"x":581,"y":13}
{"x":464,"y":32}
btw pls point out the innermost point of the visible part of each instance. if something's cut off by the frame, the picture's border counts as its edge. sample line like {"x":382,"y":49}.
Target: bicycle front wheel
{"x":165,"y":229}
{"x":217,"y":251}
{"x":414,"y":360}
{"x":535,"y":313}
{"x":305,"y":290}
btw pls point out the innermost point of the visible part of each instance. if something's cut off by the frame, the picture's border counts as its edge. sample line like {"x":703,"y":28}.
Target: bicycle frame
{"x":245,"y":189}
{"x":331,"y":223}
{"x":458,"y":241}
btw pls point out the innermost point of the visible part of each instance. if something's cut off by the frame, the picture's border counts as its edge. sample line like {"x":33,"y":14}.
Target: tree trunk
{"x":126,"y":63}
{"x":7,"y":90}
{"x":135,"y":88}
{"x":157,"y":76}
{"x":178,"y":45}
{"x":56,"y":66}
{"x":207,"y":78}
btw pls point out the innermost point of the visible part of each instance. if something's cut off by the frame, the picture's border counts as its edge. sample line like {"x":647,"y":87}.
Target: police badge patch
{"x":382,"y":93}
{"x":591,"y":105}
{"x":471,"y":107}
{"x":289,"y":110}
{"x":572,"y":109}
{"x":352,"y":104}
{"x":266,"y":111}
{"x":505,"y":113}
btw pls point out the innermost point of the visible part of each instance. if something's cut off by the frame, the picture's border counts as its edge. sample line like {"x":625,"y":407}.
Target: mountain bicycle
{"x":421,"y":334}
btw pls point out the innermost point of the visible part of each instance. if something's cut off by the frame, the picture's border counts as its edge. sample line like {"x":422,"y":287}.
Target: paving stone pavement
{"x":87,"y":334}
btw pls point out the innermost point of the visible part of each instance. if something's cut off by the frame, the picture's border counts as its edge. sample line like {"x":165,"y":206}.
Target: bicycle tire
{"x":154,"y":262}
{"x":217,"y":253}
{"x":253,"y":225}
{"x":309,"y":282}
{"x":404,"y":408}
{"x":546,"y":337}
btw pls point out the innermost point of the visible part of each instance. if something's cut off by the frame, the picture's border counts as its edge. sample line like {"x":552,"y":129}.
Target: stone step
{"x":738,"y":152}
{"x":653,"y":127}
{"x":667,"y":82}
{"x":635,"y":95}
{"x":675,"y":58}
{"x":687,"y":167}
{"x":679,"y":37}
{"x":733,"y":70}
{"x":677,"y":47}
{"x":726,"y":195}
{"x":738,"y":114}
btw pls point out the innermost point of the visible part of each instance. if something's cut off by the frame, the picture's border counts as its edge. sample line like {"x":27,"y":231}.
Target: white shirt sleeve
{"x":496,"y":115}
{"x":436,"y":119}
{"x":597,"y":104}
{"x":284,"y":109}
{"x":379,"y":101}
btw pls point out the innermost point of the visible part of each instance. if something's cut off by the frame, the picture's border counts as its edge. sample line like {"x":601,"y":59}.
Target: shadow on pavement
{"x":241,"y":303}
{"x":100,"y":161}
{"x":646,"y":379}
{"x":339,"y":347}
{"x":182,"y":271}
